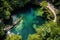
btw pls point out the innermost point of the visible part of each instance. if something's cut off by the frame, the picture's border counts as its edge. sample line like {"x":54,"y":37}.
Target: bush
{"x":13,"y":37}
{"x":48,"y":31}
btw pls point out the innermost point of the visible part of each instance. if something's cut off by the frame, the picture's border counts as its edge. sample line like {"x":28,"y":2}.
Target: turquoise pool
{"x":25,"y":26}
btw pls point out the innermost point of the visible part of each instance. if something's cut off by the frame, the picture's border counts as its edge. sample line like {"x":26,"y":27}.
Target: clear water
{"x":25,"y":26}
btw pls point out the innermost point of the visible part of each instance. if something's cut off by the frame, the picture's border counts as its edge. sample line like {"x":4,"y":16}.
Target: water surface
{"x":25,"y":26}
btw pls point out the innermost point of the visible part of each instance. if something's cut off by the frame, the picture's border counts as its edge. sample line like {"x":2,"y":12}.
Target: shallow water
{"x":25,"y":26}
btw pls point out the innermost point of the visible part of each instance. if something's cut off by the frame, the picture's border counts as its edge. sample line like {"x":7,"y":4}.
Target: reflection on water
{"x":25,"y":26}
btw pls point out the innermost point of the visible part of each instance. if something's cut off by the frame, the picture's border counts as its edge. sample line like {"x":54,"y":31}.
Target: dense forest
{"x":48,"y":31}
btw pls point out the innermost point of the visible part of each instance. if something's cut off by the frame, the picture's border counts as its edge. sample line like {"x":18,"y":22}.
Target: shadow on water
{"x":26,"y":7}
{"x":29,"y":18}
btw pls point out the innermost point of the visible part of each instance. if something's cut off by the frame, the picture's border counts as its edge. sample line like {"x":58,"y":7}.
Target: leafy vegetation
{"x":17,"y":3}
{"x":5,"y":9}
{"x":56,"y":3}
{"x":43,"y":3}
{"x":7,"y":6}
{"x":58,"y":18}
{"x":49,"y":14}
{"x":1,"y":30}
{"x":48,"y":31}
{"x":13,"y":37}
{"x":39,"y":12}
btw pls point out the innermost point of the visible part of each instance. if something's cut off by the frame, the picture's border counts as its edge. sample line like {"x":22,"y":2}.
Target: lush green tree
{"x":18,"y":3}
{"x":1,"y":29}
{"x":34,"y":37}
{"x":39,"y":12}
{"x":44,"y":3}
{"x":1,"y":33}
{"x":48,"y":31}
{"x":7,"y":14}
{"x":5,"y":9}
{"x":56,"y":3}
{"x":49,"y":14}
{"x":6,"y":6}
{"x":13,"y":37}
{"x":50,"y":27}
{"x":1,"y":26}
{"x":58,"y":18}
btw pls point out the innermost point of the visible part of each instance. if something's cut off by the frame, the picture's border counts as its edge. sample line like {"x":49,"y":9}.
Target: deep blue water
{"x":25,"y":27}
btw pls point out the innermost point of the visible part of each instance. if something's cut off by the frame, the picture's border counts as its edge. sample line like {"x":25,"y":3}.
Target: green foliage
{"x":5,"y":9}
{"x":35,"y":1}
{"x":1,"y":29}
{"x":56,"y":3}
{"x":6,"y":6}
{"x":44,"y":3}
{"x":1,"y":33}
{"x":13,"y":37}
{"x":34,"y":37}
{"x":50,"y":27}
{"x":48,"y":31}
{"x":18,"y":3}
{"x":58,"y":18}
{"x":39,"y":12}
{"x":7,"y":14}
{"x":49,"y":14}
{"x":1,"y":26}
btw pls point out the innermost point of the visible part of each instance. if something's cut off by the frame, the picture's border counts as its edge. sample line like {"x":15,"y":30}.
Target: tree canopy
{"x":13,"y":37}
{"x":48,"y":31}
